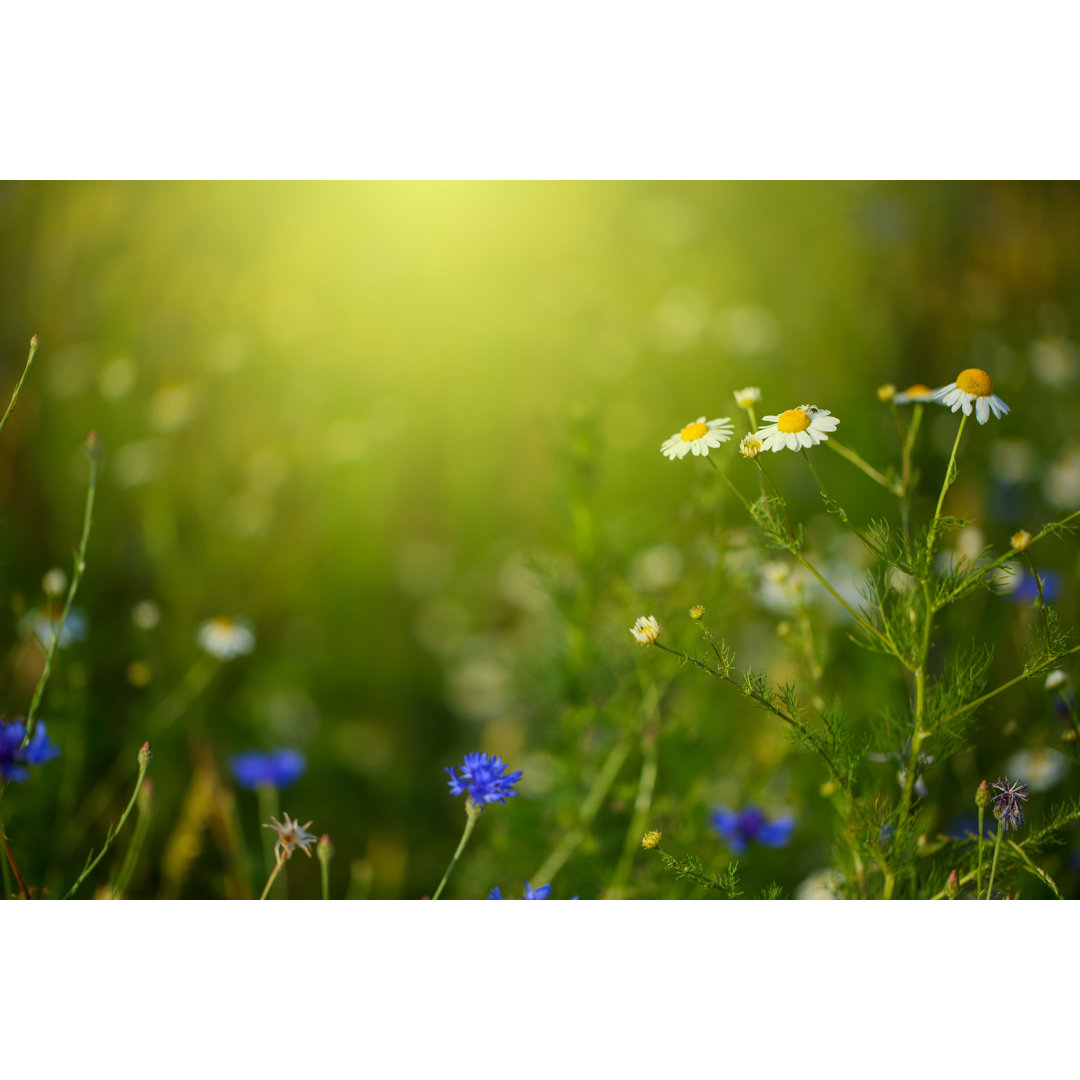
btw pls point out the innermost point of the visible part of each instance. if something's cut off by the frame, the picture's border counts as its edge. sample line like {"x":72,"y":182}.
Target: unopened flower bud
{"x":35,"y":341}
{"x":145,"y":798}
{"x":144,"y":755}
{"x":1055,"y":679}
{"x":93,"y":446}
{"x":886,"y":392}
{"x":324,"y":849}
{"x":750,"y":446}
{"x":827,"y":789}
{"x":1020,"y":541}
{"x":696,"y":612}
{"x":982,"y":796}
{"x":651,"y":839}
{"x":952,"y":886}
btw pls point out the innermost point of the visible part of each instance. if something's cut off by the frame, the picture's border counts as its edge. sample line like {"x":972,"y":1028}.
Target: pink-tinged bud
{"x":34,"y":343}
{"x":324,"y":849}
{"x":93,"y":446}
{"x":952,"y":886}
{"x":145,"y":755}
{"x":982,"y":796}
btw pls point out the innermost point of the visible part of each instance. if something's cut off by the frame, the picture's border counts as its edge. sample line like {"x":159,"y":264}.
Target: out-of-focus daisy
{"x":43,"y":621}
{"x":747,"y":396}
{"x":972,"y":387}
{"x":1039,"y":769}
{"x":646,"y":630}
{"x":698,"y":438}
{"x":797,"y":428}
{"x":913,"y":394}
{"x":1055,"y":680}
{"x":54,"y":582}
{"x":225,"y":638}
{"x":291,"y":836}
{"x":821,"y":885}
{"x":146,"y":614}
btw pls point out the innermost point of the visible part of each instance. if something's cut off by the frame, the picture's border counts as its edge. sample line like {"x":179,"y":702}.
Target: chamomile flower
{"x":225,"y":638}
{"x":698,"y":438}
{"x":750,"y":446}
{"x":290,"y":836}
{"x":972,"y":387}
{"x":747,"y":396}
{"x":913,"y":395}
{"x":797,"y":428}
{"x":646,"y":630}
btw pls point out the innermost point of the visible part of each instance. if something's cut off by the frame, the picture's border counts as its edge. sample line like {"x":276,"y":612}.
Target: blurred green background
{"x":411,"y":431}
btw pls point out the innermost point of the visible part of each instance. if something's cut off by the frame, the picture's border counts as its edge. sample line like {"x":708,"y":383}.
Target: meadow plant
{"x":883,"y":849}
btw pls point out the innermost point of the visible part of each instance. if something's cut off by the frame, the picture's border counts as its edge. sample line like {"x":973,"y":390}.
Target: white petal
{"x":805,"y":438}
{"x":772,"y":418}
{"x":790,"y":441}
{"x":982,"y":410}
{"x":966,"y":406}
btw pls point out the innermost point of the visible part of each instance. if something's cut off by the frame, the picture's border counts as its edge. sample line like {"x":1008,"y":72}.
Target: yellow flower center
{"x":791,"y":421}
{"x":919,"y":389}
{"x":693,"y":431}
{"x":223,"y":623}
{"x":974,"y":381}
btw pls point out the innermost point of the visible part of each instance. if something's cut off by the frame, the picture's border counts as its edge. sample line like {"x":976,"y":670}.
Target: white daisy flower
{"x":646,"y":630}
{"x":747,"y":396}
{"x":805,"y":426}
{"x":290,"y":836}
{"x":225,"y":638}
{"x":698,"y":438}
{"x":972,"y":386}
{"x":1055,"y":680}
{"x":1039,"y":769}
{"x":915,"y":393}
{"x":750,"y":446}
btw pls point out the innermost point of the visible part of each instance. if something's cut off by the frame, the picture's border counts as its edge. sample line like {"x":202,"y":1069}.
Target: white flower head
{"x":750,"y":446}
{"x":54,"y":582}
{"x":225,"y":638}
{"x":797,"y":428}
{"x":698,"y":438}
{"x":747,"y":396}
{"x":916,"y":393}
{"x":646,"y":630}
{"x":972,"y":387}
{"x":290,"y":836}
{"x":1055,"y":680}
{"x":1040,"y":769}
{"x":146,"y":614}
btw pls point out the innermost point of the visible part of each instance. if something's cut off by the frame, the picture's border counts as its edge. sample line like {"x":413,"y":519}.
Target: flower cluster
{"x":14,"y":757}
{"x":484,"y":779}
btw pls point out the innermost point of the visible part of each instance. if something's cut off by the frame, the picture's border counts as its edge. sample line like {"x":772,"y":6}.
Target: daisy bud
{"x":646,"y":630}
{"x":750,"y":446}
{"x":1055,"y":679}
{"x":651,"y":839}
{"x":144,"y":755}
{"x":324,"y":850}
{"x":886,"y":392}
{"x":1020,"y":541}
{"x":34,"y":342}
{"x":952,"y":886}
{"x":982,"y":796}
{"x":93,"y":446}
{"x":696,"y":612}
{"x":54,"y":582}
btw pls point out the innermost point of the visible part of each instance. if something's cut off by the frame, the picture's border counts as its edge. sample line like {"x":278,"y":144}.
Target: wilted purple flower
{"x":276,"y":768}
{"x":749,"y":826}
{"x":14,"y":757}
{"x":484,"y":779}
{"x":1007,"y":804}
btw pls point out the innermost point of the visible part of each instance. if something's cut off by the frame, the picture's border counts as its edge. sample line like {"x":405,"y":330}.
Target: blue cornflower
{"x":748,"y":826}
{"x":277,"y":768}
{"x":1027,"y":592}
{"x":14,"y":757}
{"x":529,"y":894}
{"x":1007,"y":806}
{"x":483,"y":779}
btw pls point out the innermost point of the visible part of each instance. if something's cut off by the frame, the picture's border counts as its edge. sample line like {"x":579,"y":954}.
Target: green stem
{"x":142,"y":827}
{"x":14,"y":865}
{"x":993,"y":865}
{"x":472,"y":814}
{"x":114,"y":831}
{"x":950,"y":477}
{"x":270,"y":807}
{"x":978,"y":870}
{"x":19,"y":385}
{"x":861,"y":463}
{"x":723,"y":476}
{"x":642,"y":803}
{"x":80,"y":567}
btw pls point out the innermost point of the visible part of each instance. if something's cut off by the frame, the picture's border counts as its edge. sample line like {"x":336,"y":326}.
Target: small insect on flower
{"x":972,"y":387}
{"x":913,"y":395}
{"x":291,"y":836}
{"x":747,"y":396}
{"x":698,"y":438}
{"x":795,"y":429}
{"x":484,"y":779}
{"x":646,"y":630}
{"x":1007,"y":808}
{"x":225,"y":639}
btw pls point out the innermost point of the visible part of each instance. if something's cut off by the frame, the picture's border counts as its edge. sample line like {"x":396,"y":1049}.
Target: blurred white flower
{"x":146,"y":614}
{"x":225,"y":638}
{"x":1039,"y":769}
